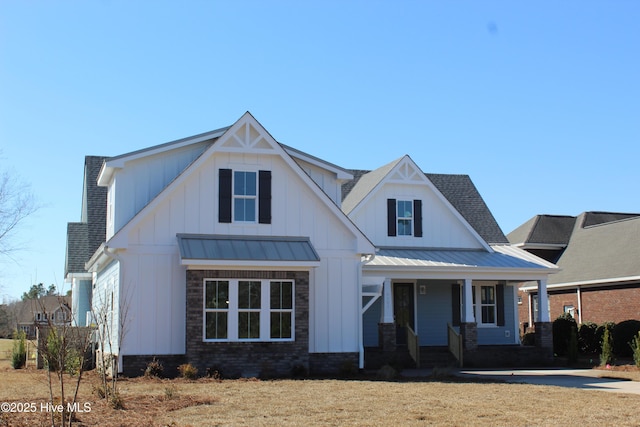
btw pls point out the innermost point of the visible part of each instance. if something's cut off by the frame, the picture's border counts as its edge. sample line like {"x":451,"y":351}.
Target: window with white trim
{"x":485,"y":312}
{"x":245,"y":196}
{"x":405,"y":217}
{"x":248,"y":310}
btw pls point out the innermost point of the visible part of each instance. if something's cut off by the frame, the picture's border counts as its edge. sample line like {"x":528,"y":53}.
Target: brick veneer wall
{"x":247,"y":359}
{"x":599,"y":304}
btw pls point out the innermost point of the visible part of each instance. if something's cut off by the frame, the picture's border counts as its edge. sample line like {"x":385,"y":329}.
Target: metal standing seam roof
{"x":503,"y":257}
{"x":246,"y":248}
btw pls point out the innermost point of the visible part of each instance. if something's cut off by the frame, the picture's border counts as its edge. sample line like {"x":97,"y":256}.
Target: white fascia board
{"x":80,"y":276}
{"x":587,"y":283}
{"x":341,"y":173}
{"x":118,"y":162}
{"x":521,"y":274}
{"x":199,"y":264}
{"x":526,"y":246}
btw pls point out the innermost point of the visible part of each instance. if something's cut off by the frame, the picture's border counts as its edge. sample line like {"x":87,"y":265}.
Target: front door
{"x":403,"y":310}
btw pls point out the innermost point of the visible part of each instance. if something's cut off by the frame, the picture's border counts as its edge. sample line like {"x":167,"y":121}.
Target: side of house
{"x":598,"y":253}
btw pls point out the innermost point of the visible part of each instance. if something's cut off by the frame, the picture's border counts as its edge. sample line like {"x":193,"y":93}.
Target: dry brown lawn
{"x":360,"y":402}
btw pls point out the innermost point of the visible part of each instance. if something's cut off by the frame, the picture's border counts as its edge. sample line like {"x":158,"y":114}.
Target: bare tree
{"x":17,"y":203}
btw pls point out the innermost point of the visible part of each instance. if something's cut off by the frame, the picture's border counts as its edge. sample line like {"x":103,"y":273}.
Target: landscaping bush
{"x":572,"y":350}
{"x":588,"y":341}
{"x":600,"y":333}
{"x":623,"y":333}
{"x":19,"y":352}
{"x":188,"y":371}
{"x":562,"y":328}
{"x":635,"y":348}
{"x":529,"y":338}
{"x":606,"y":355}
{"x":154,"y":369}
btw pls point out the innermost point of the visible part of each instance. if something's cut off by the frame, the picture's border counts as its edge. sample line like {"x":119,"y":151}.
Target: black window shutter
{"x":264,"y":197}
{"x":391,"y":217}
{"x":455,"y":305}
{"x":417,"y":218}
{"x":500,"y":305}
{"x":224,"y":195}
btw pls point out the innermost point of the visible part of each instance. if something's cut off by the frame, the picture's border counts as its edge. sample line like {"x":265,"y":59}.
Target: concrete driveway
{"x":586,"y":379}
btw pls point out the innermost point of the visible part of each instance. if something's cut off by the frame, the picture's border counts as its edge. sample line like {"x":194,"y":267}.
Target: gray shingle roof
{"x":544,"y":229}
{"x":600,"y":252}
{"x":84,"y":238}
{"x":459,"y":190}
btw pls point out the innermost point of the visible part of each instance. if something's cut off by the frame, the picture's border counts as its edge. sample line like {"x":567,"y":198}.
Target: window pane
{"x":488,"y":295}
{"x":244,"y":209}
{"x":488,"y":314}
{"x":216,"y":325}
{"x":405,"y":209}
{"x":217,"y":294}
{"x":281,"y":295}
{"x":249,"y":295}
{"x":404,"y":227}
{"x":244,"y":183}
{"x":249,"y":324}
{"x":281,"y":325}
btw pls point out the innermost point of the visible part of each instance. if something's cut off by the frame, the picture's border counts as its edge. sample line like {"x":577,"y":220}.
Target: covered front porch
{"x":466,"y":308}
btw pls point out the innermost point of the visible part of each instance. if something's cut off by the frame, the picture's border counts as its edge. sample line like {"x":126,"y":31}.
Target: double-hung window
{"x":405,"y":217}
{"x":244,"y":196}
{"x":485,"y":312}
{"x":248,"y":310}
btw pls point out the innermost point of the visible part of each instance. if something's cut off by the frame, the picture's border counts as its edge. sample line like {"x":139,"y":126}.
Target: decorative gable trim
{"x":246,"y":126}
{"x":403,"y":171}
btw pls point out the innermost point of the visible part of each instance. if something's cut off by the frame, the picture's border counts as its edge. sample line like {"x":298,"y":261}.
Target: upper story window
{"x":404,"y":217}
{"x":244,"y":196}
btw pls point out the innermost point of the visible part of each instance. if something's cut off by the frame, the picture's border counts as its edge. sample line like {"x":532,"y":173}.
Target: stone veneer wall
{"x":247,"y":359}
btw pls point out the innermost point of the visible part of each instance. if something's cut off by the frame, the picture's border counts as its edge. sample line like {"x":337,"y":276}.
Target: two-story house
{"x":234,"y":252}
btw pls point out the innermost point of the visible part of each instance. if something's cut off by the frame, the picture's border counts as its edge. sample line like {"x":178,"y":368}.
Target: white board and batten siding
{"x":441,"y":228}
{"x":106,"y":303}
{"x":156,"y":280}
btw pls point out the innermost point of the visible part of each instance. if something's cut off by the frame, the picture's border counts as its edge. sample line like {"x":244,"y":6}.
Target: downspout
{"x":579,"y":295}
{"x":114,"y":256}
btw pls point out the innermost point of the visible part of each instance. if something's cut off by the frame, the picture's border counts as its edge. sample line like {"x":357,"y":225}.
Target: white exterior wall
{"x":155,"y":281}
{"x":441,"y":228}
{"x":141,"y":180}
{"x":325,"y":179}
{"x":106,"y":303}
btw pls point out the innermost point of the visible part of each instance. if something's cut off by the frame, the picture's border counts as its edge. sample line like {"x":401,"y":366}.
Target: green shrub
{"x":623,"y":333}
{"x":529,"y":338}
{"x":154,"y":369}
{"x":635,"y":348}
{"x":588,"y":341}
{"x":600,"y":332}
{"x":606,"y":355}
{"x":572,"y":350}
{"x":562,"y":329}
{"x":19,"y":352}
{"x":188,"y":371}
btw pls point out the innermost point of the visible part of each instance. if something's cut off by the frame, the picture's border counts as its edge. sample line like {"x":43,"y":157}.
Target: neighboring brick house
{"x":232,"y":251}
{"x":599,"y":257}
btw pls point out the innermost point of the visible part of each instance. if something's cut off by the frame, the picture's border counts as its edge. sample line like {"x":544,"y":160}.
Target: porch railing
{"x":413,"y":345}
{"x":455,"y":343}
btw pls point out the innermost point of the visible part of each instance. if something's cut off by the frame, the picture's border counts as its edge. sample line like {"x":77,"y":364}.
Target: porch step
{"x":431,"y":357}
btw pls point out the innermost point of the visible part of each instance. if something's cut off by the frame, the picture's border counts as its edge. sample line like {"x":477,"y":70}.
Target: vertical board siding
{"x":496,"y":335}
{"x":434,"y":312}
{"x":370,"y":322}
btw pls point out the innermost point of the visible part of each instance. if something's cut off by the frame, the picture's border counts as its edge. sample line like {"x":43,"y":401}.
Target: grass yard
{"x":324,"y":402}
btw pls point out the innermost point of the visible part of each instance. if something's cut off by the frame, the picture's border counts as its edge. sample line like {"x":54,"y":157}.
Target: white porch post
{"x":387,"y":302}
{"x":467,"y":302}
{"x":543,"y":302}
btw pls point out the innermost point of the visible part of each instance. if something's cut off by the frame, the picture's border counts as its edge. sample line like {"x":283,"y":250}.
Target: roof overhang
{"x":617,"y":281}
{"x":198,"y":251}
{"x":505,"y":262}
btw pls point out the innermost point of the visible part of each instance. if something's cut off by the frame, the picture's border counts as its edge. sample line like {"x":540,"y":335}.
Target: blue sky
{"x":539,"y":102}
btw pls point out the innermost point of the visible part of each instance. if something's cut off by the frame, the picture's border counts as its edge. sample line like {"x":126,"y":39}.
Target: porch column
{"x":468,"y":326}
{"x":386,"y":327}
{"x":543,"y":302}
{"x":468,"y":315}
{"x":544,"y":330}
